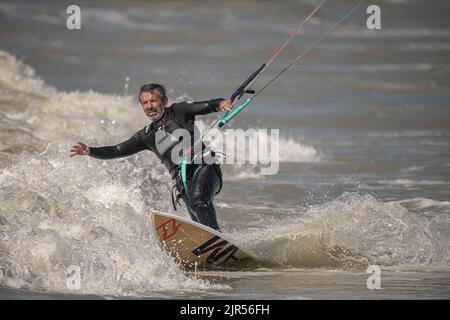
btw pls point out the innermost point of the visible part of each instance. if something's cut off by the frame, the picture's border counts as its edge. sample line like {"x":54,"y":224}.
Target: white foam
{"x":248,"y":175}
{"x":413,"y":168}
{"x":59,"y":211}
{"x":295,"y":151}
{"x":115,"y":194}
{"x":290,"y":150}
{"x":412,"y":183}
{"x":425,"y":203}
{"x":15,"y":75}
{"x":351,"y":232}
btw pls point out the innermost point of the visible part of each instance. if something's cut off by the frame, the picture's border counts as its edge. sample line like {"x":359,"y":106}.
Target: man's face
{"x":152,"y":104}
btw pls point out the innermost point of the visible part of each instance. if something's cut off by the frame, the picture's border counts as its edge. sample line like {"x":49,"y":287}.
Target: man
{"x":202,"y":181}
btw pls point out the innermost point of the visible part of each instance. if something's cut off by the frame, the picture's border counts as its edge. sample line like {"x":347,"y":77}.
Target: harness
{"x":182,"y":172}
{"x":180,"y":188}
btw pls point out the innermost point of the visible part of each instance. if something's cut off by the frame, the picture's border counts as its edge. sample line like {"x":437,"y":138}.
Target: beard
{"x":156,"y":115}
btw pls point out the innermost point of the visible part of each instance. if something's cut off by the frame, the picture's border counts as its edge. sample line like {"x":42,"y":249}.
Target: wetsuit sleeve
{"x":198,"y":108}
{"x":131,"y":146}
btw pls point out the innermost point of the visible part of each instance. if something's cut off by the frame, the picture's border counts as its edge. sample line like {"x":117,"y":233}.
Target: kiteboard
{"x":195,"y":246}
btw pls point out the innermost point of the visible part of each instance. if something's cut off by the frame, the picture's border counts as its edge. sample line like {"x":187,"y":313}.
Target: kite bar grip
{"x":228,"y":118}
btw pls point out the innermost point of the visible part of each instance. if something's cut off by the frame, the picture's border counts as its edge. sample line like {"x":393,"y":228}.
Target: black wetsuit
{"x":204,"y":180}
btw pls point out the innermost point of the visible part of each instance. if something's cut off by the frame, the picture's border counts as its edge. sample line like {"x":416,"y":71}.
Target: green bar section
{"x":228,"y":118}
{"x":183,"y":175}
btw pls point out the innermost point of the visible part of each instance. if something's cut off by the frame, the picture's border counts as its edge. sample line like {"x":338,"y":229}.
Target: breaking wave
{"x":350,"y":233}
{"x":59,"y":212}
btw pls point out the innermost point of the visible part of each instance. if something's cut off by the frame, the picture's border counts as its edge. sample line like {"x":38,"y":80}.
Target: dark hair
{"x":152,"y":87}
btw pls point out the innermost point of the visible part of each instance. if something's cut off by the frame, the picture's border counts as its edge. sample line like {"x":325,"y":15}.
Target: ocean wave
{"x":407,"y":134}
{"x":289,"y":150}
{"x":33,"y":13}
{"x":425,"y":203}
{"x":413,"y":168}
{"x":412,"y":183}
{"x":355,"y":33}
{"x":372,"y":68}
{"x":295,"y":151}
{"x":59,"y":212}
{"x":350,"y":233}
{"x":19,"y":80}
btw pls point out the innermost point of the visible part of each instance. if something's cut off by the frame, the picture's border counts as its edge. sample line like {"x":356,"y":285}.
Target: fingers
{"x":227,"y":105}
{"x":75,"y":148}
{"x":78,"y":149}
{"x":74,"y":151}
{"x":228,"y":108}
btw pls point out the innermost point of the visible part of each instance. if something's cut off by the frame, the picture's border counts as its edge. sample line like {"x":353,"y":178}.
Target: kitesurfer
{"x":203,"y":180}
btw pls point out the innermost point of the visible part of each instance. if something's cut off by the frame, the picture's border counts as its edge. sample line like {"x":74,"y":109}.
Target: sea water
{"x":364,"y":176}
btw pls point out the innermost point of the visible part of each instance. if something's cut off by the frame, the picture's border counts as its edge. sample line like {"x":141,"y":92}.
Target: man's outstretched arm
{"x":124,"y":149}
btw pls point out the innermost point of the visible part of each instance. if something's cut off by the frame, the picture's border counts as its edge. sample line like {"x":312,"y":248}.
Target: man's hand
{"x":226,"y":105}
{"x":79,"y":149}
